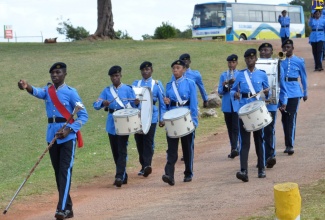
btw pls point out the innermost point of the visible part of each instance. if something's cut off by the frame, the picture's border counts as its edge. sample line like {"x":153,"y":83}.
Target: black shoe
{"x":118,"y":182}
{"x":261,"y":173}
{"x":286,"y":150}
{"x":125,"y":181}
{"x":242,"y":175}
{"x":168,"y":179}
{"x":140,"y":172}
{"x":290,"y":151}
{"x":234,"y":153}
{"x":187,"y":179}
{"x":147,"y":171}
{"x":59,"y":215}
{"x":270,"y":162}
{"x":182,"y":159}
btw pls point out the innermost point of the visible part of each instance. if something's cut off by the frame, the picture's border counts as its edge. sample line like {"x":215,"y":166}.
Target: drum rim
{"x":253,"y":110}
{"x":123,"y":109}
{"x":180,"y":108}
{"x":145,"y":127}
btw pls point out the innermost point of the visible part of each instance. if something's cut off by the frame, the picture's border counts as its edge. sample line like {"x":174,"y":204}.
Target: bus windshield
{"x":209,"y":15}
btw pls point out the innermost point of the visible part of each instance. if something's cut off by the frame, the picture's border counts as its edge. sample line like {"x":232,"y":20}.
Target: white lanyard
{"x":117,"y":99}
{"x":180,"y":101}
{"x":251,"y":88}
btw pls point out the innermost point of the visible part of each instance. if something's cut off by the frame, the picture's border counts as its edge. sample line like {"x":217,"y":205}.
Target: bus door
{"x":229,"y":27}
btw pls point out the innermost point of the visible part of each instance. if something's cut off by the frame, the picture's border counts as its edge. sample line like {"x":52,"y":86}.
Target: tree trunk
{"x":105,"y":21}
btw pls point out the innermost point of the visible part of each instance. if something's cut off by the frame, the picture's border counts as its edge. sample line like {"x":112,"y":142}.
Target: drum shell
{"x":178,"y":122}
{"x":255,"y":116}
{"x":145,"y":96}
{"x":127,"y":121}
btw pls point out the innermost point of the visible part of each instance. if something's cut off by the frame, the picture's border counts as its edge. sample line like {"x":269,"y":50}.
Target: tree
{"x":123,"y":35}
{"x":71,"y":32}
{"x":306,"y":4}
{"x":105,"y":21}
{"x":165,"y":31}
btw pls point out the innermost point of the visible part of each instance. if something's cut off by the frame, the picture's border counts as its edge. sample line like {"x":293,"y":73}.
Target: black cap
{"x":58,"y":65}
{"x":145,"y":64}
{"x":287,"y":42}
{"x":265,"y":45}
{"x":178,"y":62}
{"x":114,"y":69}
{"x":250,"y":52}
{"x":185,"y":56}
{"x":232,"y":57}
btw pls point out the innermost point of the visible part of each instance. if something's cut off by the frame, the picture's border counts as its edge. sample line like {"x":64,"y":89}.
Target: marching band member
{"x":250,"y":81}
{"x":294,"y":68}
{"x":266,"y":51}
{"x":60,"y":100}
{"x":230,"y":106}
{"x":145,"y":142}
{"x":116,"y":97}
{"x":180,"y":91}
{"x":284,"y":21}
{"x":317,"y":38}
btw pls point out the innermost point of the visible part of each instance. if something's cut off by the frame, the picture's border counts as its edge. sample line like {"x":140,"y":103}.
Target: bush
{"x":165,"y":31}
{"x":72,"y":33}
{"x":121,"y":35}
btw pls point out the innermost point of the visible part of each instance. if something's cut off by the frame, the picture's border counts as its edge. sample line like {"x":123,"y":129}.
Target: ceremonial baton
{"x":77,"y":108}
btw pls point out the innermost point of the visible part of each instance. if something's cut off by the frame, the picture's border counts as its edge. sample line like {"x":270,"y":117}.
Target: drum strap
{"x":250,"y":85}
{"x":117,"y":99}
{"x":152,"y":84}
{"x":179,"y":99}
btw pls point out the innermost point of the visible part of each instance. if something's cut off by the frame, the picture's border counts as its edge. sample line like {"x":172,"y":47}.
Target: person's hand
{"x":231,"y":81}
{"x":305,"y":98}
{"x":166,"y":101}
{"x":22,"y":84}
{"x":137,"y":101}
{"x":106,"y":103}
{"x":205,"y":104}
{"x":224,"y":83}
{"x":161,"y":124}
{"x":237,"y":95}
{"x":279,"y":16}
{"x":282,"y":108}
{"x":266,"y":92}
{"x":63,"y":133}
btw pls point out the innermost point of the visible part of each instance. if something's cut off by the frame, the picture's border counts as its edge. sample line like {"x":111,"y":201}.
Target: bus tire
{"x":242,"y":37}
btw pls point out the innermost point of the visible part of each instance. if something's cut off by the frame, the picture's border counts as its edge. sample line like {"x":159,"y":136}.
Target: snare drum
{"x":144,"y":93}
{"x":127,"y":121}
{"x":255,"y":115}
{"x":178,"y":122}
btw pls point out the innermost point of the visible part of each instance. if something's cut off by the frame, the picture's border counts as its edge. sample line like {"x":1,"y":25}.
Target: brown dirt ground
{"x":214,"y":193}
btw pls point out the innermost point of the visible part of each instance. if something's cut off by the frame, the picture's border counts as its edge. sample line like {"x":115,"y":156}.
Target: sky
{"x":32,"y":19}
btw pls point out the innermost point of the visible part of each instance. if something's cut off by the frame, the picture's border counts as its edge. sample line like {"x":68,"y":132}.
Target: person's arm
{"x":193,"y":103}
{"x":199,"y":83}
{"x":162,"y":106}
{"x":101,"y":101}
{"x":303,"y":76}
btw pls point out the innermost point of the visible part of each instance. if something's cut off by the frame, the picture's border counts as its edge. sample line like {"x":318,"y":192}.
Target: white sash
{"x":116,"y":98}
{"x":152,"y":84}
{"x":251,"y":88}
{"x":179,"y":99}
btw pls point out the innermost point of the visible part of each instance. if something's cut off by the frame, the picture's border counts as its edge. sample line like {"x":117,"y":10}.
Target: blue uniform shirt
{"x":187,"y":91}
{"x":68,"y":96}
{"x":124,"y":92}
{"x":318,"y":28}
{"x":227,"y":100}
{"x":197,"y":78}
{"x":157,"y":95}
{"x":294,"y":67}
{"x":285,"y":26}
{"x":259,"y":81}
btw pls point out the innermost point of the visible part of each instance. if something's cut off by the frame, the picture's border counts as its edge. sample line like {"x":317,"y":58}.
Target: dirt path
{"x":214,"y":193}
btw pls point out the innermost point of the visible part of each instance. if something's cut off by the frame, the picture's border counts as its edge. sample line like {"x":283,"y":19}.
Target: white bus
{"x":229,"y":21}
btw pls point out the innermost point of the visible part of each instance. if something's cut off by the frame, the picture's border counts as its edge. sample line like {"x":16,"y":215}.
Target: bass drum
{"x":270,"y":66}
{"x":144,"y":94}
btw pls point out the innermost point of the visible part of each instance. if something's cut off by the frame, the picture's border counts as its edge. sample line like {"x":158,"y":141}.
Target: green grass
{"x":23,"y":121}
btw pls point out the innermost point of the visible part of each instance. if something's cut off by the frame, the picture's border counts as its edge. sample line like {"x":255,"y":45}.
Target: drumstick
{"x":135,"y":99}
{"x":260,"y":92}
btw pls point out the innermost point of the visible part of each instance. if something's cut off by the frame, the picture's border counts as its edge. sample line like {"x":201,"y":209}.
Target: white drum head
{"x":126,"y":112}
{"x":250,"y":107}
{"x":175,"y":113}
{"x":144,"y":93}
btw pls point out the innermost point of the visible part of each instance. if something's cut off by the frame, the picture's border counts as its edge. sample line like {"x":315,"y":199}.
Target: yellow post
{"x":287,"y":201}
